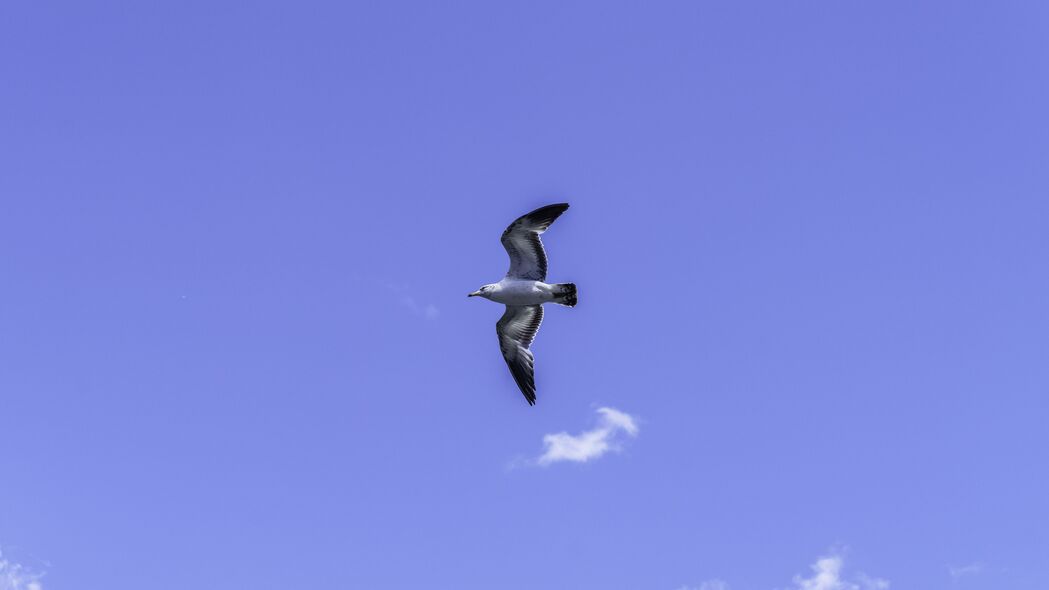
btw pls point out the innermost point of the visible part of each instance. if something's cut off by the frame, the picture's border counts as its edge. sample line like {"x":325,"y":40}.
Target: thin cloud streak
{"x":590,"y":444}
{"x":965,"y":570}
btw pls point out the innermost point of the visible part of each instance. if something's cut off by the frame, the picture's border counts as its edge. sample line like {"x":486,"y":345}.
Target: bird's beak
{"x":474,"y":294}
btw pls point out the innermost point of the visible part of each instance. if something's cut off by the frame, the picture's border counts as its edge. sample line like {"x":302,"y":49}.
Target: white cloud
{"x":14,"y":576}
{"x":957,"y":571}
{"x":590,"y":444}
{"x":827,"y":575}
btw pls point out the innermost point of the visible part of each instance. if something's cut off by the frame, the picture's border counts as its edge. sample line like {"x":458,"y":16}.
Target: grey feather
{"x":517,"y":329}
{"x":522,"y":243}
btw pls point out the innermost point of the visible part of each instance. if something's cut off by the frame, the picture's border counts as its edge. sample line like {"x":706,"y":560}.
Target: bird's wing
{"x":516,"y":329}
{"x":521,"y":240}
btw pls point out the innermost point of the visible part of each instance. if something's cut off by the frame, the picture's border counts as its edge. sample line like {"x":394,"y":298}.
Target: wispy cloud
{"x":15,"y":576}
{"x":427,"y":311}
{"x":958,"y":571}
{"x":827,"y":575}
{"x":589,"y":444}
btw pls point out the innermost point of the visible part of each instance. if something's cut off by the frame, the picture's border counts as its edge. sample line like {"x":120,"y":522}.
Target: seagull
{"x":524,"y":292}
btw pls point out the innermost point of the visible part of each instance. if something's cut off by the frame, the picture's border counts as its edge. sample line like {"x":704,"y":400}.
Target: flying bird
{"x":524,"y":292}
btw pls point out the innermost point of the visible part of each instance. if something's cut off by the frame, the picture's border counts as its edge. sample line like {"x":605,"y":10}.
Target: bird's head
{"x":484,"y":291}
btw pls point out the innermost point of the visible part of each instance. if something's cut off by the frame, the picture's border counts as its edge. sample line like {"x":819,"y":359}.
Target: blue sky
{"x":810,"y":244}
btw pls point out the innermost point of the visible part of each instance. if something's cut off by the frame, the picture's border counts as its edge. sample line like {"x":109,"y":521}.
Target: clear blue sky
{"x":810,"y":240}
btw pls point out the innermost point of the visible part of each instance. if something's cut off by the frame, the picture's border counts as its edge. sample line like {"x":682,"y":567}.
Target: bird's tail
{"x":565,"y":294}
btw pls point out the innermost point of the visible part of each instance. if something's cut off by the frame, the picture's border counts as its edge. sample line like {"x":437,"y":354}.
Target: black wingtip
{"x":548,"y":211}
{"x":544,"y":216}
{"x":559,"y":207}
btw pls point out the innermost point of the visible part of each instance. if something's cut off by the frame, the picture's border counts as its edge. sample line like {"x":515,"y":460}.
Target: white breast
{"x":522,"y":292}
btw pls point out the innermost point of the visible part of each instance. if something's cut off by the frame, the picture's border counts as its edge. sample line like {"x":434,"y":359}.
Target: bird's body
{"x":524,"y":291}
{"x":511,"y":291}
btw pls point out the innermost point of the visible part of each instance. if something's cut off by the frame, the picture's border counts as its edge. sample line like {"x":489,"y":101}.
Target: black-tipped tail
{"x":565,"y":294}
